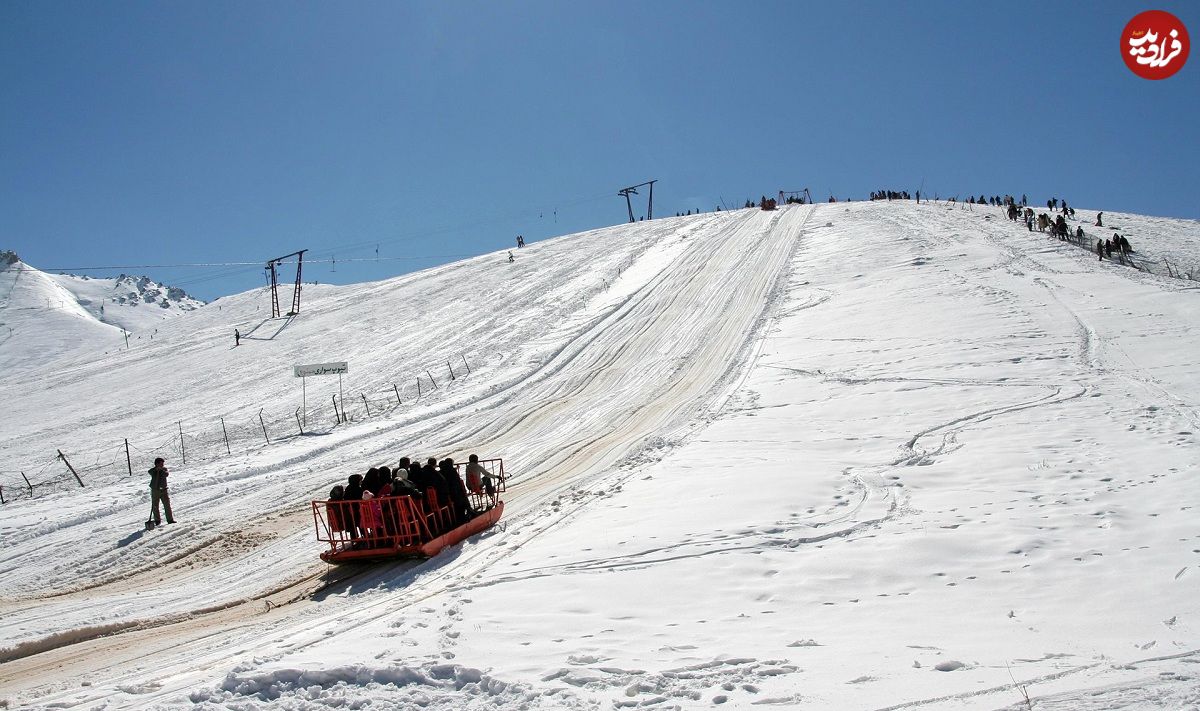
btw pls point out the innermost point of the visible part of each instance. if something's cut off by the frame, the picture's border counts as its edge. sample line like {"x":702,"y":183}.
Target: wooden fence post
{"x":418,"y":387}
{"x":27,"y":484}
{"x":182,"y":448}
{"x":337,"y":416}
{"x":465,"y":363}
{"x":398,"y":403}
{"x":431,"y":379}
{"x":64,"y":458}
{"x":451,"y":370}
{"x":366,"y":404}
{"x":128,"y":460}
{"x":264,"y":426}
{"x":226,"y":433}
{"x":298,"y":423}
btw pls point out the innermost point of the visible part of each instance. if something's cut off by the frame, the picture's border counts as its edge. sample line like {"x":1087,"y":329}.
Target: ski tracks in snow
{"x":679,"y":340}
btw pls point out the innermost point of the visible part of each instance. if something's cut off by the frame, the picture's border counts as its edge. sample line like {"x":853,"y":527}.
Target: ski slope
{"x":864,"y":455}
{"x":44,"y":316}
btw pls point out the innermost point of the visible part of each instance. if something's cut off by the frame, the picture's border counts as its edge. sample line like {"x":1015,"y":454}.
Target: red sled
{"x":392,"y":527}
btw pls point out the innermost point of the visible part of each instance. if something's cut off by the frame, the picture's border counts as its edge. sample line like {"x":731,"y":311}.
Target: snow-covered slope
{"x":44,"y":316}
{"x":135,"y":303}
{"x":844,"y":456}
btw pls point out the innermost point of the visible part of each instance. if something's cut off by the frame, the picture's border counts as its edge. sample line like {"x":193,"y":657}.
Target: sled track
{"x":595,"y":370}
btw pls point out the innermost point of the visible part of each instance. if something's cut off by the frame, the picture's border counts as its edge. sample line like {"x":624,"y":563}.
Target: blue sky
{"x":166,"y":133}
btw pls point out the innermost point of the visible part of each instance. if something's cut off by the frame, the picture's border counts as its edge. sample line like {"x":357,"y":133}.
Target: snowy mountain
{"x":59,"y":314}
{"x":852,"y":456}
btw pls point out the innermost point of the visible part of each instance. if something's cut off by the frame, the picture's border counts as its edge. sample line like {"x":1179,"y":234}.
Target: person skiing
{"x":237,"y":338}
{"x":158,"y":492}
{"x":511,"y":258}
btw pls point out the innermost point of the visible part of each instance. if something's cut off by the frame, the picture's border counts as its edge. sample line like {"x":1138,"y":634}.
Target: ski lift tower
{"x":275,"y":282}
{"x":632,"y":190}
{"x":804,"y":192}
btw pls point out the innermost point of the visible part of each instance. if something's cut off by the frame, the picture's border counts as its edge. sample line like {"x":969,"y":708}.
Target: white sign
{"x":307,"y":371}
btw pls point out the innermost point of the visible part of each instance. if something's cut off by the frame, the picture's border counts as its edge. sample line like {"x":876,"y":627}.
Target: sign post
{"x":304,"y":371}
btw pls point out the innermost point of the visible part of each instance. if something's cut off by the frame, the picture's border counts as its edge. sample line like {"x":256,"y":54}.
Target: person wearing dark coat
{"x":404,"y":487}
{"x":385,"y":481}
{"x":424,"y":478}
{"x":437,"y":481}
{"x":458,"y":492}
{"x":434,"y":481}
{"x":1100,"y":248}
{"x":336,"y":494}
{"x":158,"y":492}
{"x":371,"y":481}
{"x":353,"y":492}
{"x":416,"y":475}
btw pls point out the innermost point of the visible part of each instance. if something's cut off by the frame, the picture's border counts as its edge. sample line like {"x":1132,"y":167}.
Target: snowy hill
{"x":859,"y":456}
{"x":57,"y":314}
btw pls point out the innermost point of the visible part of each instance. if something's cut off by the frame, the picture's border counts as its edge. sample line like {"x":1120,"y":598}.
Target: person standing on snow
{"x":158,"y":492}
{"x":237,"y":337}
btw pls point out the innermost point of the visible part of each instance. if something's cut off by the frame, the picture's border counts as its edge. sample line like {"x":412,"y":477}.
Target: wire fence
{"x":197,"y":443}
{"x":192,"y":442}
{"x":1088,"y":241}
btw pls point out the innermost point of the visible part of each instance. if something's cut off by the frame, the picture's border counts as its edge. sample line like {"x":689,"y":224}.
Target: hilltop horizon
{"x":319,"y":271}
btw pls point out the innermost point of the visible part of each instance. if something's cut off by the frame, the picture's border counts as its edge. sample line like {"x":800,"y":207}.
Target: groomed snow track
{"x":643,"y":372}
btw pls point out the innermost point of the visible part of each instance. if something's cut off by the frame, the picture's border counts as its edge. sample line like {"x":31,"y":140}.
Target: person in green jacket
{"x":158,"y":492}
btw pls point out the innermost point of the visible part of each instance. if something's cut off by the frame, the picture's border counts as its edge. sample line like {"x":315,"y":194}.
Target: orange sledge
{"x":403,"y":526}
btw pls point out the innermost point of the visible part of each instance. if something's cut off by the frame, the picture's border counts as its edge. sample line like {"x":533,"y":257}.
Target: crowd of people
{"x":893,"y":195}
{"x":1117,"y":243}
{"x":1019,"y":211}
{"x":1058,"y":227}
{"x":435,"y":487}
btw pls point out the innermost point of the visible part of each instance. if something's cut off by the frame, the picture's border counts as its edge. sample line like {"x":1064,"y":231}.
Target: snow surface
{"x":854,"y":456}
{"x":47,"y":316}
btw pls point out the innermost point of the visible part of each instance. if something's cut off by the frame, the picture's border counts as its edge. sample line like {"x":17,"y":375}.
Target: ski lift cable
{"x":245,"y":266}
{"x":483,"y":220}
